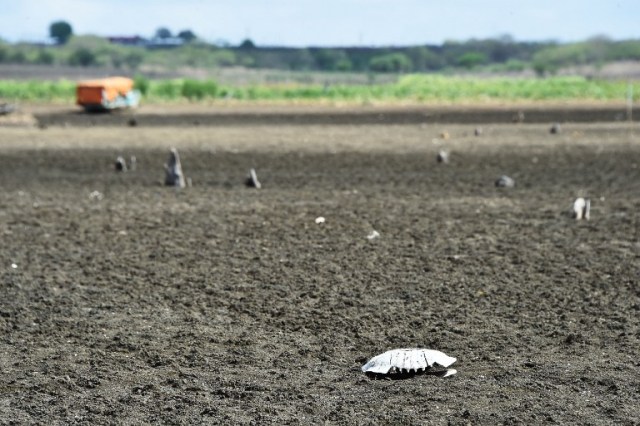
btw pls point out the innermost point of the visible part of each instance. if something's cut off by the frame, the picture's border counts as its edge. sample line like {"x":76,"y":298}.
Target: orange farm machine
{"x":107,"y":94}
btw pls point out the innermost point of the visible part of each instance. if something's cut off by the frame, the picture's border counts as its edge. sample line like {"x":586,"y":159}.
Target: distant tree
{"x":133,"y":60}
{"x":82,"y":57}
{"x":300,"y":59}
{"x":60,"y":31}
{"x":424,"y":59}
{"x":624,"y":50}
{"x":18,"y":57}
{"x":187,"y":35}
{"x":515,"y":65}
{"x":163,"y":32}
{"x":344,"y":64}
{"x":472,"y":59}
{"x":247,"y":44}
{"x":332,"y":60}
{"x":45,"y":57}
{"x":551,"y":59}
{"x":391,"y":62}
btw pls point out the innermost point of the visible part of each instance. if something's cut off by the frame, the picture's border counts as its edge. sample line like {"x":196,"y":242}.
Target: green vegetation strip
{"x":417,"y":88}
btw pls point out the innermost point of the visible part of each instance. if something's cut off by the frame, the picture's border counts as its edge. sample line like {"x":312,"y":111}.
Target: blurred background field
{"x":407,"y":88}
{"x":182,"y":67}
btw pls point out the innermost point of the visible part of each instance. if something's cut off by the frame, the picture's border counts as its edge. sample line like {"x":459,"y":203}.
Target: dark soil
{"x":216,"y":116}
{"x":223,"y":304}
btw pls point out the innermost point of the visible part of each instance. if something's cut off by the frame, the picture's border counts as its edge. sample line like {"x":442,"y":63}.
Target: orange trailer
{"x":107,"y":93}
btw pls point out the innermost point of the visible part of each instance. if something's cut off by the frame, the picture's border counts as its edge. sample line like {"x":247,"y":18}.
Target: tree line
{"x":502,"y":54}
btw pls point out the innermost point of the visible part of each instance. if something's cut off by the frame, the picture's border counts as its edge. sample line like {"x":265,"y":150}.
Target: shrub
{"x":45,"y":57}
{"x":392,"y":62}
{"x":472,"y":59}
{"x":82,"y":57}
{"x":196,"y":89}
{"x":141,"y":83}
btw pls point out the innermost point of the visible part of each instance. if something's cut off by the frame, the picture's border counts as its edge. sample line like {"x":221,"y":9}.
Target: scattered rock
{"x":443,"y":157}
{"x":96,"y":195}
{"x":444,"y":135}
{"x":120,"y":164}
{"x":581,"y":209}
{"x":477,"y":131}
{"x":252,"y":180}
{"x":505,"y":181}
{"x":555,"y":128}
{"x":173,"y":171}
{"x":518,"y":117}
{"x":6,"y":108}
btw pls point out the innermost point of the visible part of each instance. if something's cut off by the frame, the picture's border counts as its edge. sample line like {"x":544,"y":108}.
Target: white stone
{"x":581,"y":208}
{"x":96,"y":195}
{"x":505,"y":181}
{"x":252,"y":180}
{"x":443,"y":157}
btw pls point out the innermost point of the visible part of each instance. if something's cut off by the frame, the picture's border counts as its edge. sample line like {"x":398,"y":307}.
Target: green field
{"x":409,"y":88}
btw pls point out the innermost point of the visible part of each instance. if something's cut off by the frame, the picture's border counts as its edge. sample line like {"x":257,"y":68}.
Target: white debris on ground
{"x":252,"y":180}
{"x":320,"y":219}
{"x":581,"y":209}
{"x":409,"y":361}
{"x":373,"y":235}
{"x":443,"y":157}
{"x":505,"y":181}
{"x":96,"y":195}
{"x":14,"y":266}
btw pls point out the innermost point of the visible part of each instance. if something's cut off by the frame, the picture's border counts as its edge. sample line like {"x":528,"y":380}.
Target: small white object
{"x":443,"y":157}
{"x":14,"y":266}
{"x":252,"y":180}
{"x":320,"y":219}
{"x":121,"y":164}
{"x":581,"y":208}
{"x":96,"y":195}
{"x":505,"y":181}
{"x":373,"y":235}
{"x":398,"y":361}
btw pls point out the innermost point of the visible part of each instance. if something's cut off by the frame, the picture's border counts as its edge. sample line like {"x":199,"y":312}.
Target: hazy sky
{"x":329,"y":22}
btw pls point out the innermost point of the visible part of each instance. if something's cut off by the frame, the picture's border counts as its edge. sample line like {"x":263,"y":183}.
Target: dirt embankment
{"x":303,"y":116}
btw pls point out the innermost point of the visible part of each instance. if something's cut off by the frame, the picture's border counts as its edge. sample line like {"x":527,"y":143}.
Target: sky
{"x":299,"y":23}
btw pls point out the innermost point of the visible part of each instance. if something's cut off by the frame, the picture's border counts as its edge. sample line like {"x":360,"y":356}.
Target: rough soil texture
{"x":304,"y":115}
{"x":221,"y":304}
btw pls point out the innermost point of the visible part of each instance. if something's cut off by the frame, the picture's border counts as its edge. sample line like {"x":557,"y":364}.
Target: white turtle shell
{"x":407,"y":360}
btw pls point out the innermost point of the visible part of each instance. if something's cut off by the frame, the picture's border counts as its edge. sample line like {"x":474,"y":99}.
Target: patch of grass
{"x":415,"y":88}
